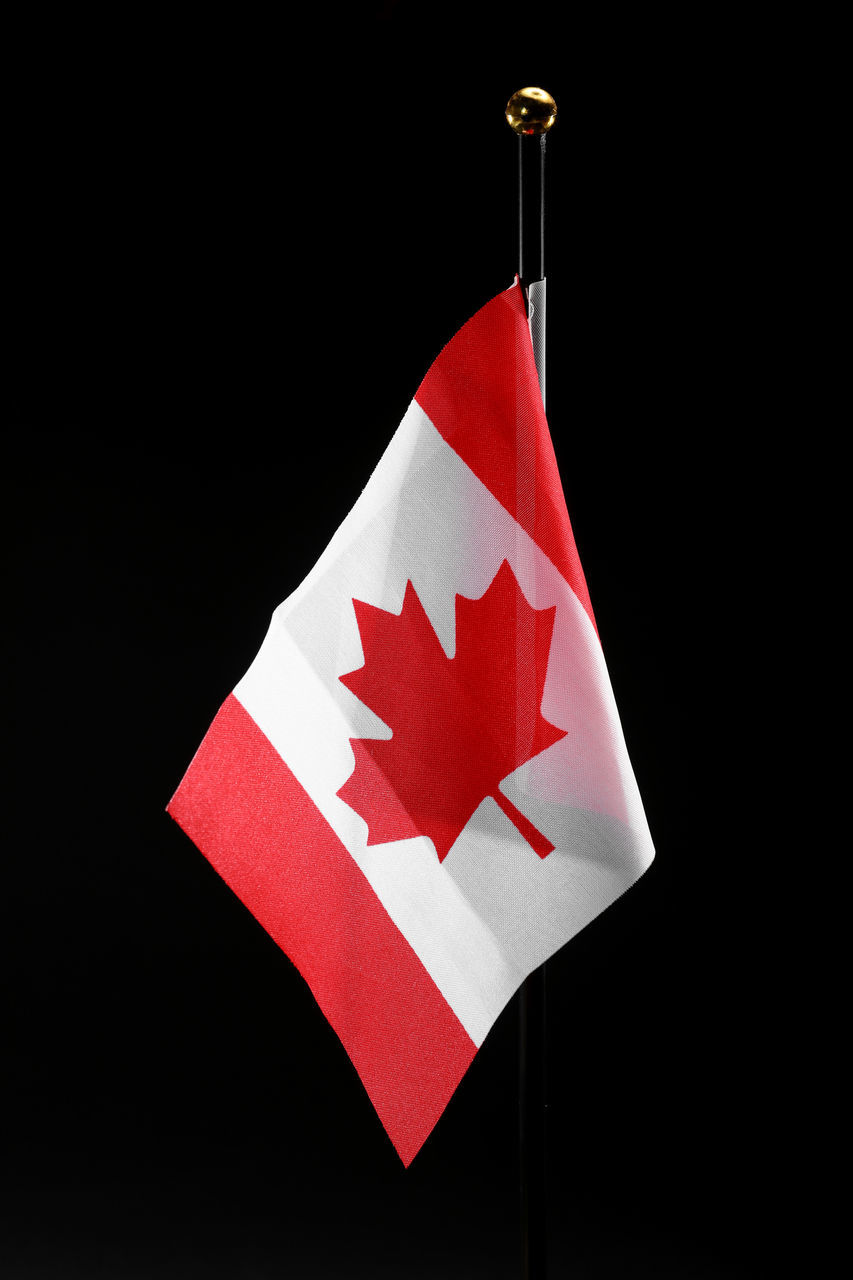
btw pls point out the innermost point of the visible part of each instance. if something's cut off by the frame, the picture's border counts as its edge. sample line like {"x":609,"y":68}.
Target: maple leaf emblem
{"x":460,"y":725}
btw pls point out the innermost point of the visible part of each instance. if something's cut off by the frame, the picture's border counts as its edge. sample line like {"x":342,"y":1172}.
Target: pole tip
{"x":531,"y":111}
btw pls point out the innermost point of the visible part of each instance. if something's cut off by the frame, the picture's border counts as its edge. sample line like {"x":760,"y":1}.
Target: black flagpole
{"x":531,"y":112}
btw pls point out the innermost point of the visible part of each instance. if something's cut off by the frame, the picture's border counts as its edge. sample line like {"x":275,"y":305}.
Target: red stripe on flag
{"x":482,"y":395}
{"x":242,"y":806}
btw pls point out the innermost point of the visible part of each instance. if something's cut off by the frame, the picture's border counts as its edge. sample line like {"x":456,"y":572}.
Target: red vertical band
{"x":242,"y":806}
{"x":482,"y":395}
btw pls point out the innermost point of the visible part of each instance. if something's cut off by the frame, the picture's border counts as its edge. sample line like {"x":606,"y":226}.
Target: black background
{"x":234,"y":254}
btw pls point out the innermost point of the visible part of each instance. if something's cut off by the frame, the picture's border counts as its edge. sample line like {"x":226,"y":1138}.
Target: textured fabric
{"x":262,"y":832}
{"x":420,"y":787}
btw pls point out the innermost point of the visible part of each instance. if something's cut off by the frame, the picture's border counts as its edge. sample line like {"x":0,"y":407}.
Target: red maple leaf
{"x":460,"y":725}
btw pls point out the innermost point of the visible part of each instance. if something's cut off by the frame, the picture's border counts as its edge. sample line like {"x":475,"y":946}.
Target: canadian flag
{"x":420,"y":787}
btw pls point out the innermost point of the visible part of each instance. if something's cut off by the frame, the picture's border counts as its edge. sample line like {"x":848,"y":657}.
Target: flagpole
{"x":530,"y":113}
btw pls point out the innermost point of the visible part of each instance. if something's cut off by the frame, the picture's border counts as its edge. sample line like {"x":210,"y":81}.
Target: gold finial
{"x":531,"y":111}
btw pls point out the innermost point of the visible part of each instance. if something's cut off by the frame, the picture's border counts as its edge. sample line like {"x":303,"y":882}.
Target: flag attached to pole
{"x":420,"y":787}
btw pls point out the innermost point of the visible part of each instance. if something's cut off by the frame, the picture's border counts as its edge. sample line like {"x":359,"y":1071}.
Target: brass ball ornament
{"x":531,"y":111}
